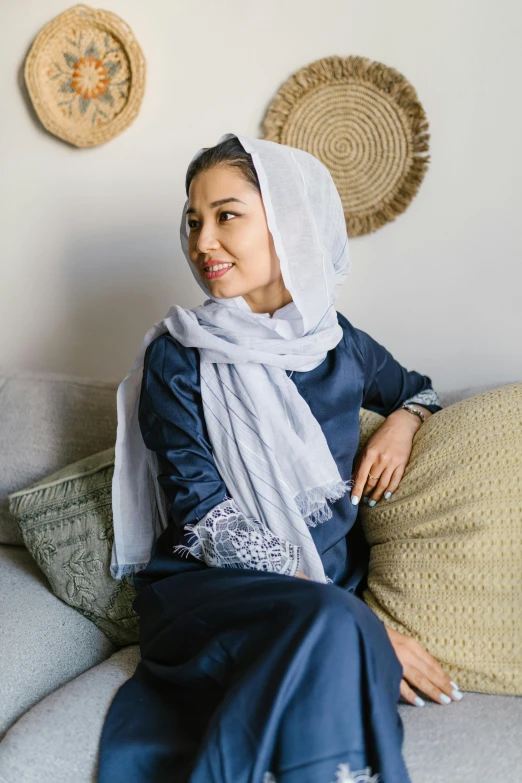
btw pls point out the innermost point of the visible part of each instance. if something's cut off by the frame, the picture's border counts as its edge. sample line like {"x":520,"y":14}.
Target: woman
{"x":233,"y":477}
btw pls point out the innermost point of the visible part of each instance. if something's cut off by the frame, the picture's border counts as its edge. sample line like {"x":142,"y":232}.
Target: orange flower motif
{"x":89,"y":77}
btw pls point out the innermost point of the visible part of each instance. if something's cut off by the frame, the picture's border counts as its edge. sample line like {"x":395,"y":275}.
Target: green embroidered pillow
{"x":66,"y":523}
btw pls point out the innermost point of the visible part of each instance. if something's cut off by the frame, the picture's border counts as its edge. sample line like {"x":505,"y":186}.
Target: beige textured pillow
{"x":446,"y":549}
{"x":66,"y":524}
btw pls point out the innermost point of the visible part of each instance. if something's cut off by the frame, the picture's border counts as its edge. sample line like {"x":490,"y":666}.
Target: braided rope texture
{"x":85,"y":74}
{"x":364,"y":122}
{"x":446,"y":549}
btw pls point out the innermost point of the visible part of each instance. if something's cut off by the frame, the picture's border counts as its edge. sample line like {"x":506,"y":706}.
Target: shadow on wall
{"x":114,"y":288}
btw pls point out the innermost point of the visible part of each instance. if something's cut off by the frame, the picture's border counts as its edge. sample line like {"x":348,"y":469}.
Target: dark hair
{"x":230,"y":153}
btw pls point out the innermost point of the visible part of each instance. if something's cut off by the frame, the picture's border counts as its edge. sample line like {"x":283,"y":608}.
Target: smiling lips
{"x":216,"y":270}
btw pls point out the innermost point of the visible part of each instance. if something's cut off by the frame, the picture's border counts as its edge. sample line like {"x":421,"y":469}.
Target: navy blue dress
{"x":255,"y":676}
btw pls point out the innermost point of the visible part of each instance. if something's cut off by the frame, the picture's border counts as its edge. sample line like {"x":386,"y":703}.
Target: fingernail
{"x":445,"y":699}
{"x":457,"y":695}
{"x":387,"y":495}
{"x":365,"y":499}
{"x":418,"y":701}
{"x":372,"y":502}
{"x":454,"y":685}
{"x":355,"y":500}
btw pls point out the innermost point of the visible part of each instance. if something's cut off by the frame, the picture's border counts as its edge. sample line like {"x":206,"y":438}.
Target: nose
{"x":207,"y":240}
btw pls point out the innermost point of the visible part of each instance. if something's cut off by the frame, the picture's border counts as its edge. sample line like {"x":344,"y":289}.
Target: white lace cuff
{"x":426,"y":397}
{"x":226,"y":538}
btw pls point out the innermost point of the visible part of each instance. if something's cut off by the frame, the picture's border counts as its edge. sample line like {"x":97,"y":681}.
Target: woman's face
{"x":226,"y":224}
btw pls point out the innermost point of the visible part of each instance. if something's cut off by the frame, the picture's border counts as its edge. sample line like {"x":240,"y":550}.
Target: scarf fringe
{"x":313,"y":505}
{"x":126,"y":571}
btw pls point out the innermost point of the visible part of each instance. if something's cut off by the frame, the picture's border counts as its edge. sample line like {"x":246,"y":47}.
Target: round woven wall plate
{"x":85,"y":74}
{"x":364,"y":121}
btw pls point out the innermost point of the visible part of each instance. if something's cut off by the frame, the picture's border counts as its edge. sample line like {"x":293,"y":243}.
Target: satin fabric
{"x":244,"y":672}
{"x":247,"y":672}
{"x":358,"y":372}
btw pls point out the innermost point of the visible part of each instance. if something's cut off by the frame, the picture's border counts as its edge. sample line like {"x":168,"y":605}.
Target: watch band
{"x":413,"y":409}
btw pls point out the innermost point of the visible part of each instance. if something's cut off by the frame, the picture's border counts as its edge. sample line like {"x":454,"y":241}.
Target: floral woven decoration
{"x":86,"y":76}
{"x":364,"y":121}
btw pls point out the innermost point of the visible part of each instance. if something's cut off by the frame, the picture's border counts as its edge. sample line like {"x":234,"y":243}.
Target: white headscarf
{"x":268,"y":447}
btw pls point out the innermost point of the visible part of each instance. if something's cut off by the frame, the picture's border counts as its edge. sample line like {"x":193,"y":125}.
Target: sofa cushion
{"x":66,"y":524}
{"x":446,"y":548}
{"x":48,"y":420}
{"x":57,"y":740}
{"x":475,"y":740}
{"x":43,"y":642}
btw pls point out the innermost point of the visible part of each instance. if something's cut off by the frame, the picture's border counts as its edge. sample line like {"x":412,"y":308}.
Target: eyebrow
{"x":221,"y":201}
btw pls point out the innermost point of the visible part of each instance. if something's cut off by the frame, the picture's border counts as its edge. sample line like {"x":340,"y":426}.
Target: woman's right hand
{"x":421,"y":670}
{"x":301,"y":575}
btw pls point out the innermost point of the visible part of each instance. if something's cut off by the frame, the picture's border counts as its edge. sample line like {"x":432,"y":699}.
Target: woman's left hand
{"x":421,"y":670}
{"x":380,"y":466}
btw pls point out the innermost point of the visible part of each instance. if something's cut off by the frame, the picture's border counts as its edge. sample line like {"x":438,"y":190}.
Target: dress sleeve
{"x":387,"y":384}
{"x":208,"y":523}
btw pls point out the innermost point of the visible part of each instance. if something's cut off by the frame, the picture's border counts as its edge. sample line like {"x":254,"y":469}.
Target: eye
{"x":190,"y":222}
{"x":228,"y":213}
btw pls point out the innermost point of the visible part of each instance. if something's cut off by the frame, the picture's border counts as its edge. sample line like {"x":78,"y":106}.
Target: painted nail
{"x":457,"y":695}
{"x":388,"y":495}
{"x":418,"y":701}
{"x":365,"y":499}
{"x":372,"y":502}
{"x":454,"y":685}
{"x":355,"y":500}
{"x":445,"y":699}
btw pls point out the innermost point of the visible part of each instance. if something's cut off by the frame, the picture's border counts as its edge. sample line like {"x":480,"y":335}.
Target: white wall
{"x":89,"y":243}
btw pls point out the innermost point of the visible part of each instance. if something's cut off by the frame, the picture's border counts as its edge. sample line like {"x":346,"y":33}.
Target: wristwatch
{"x":413,"y":409}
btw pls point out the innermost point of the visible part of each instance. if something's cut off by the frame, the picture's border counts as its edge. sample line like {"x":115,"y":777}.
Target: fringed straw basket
{"x":86,"y":76}
{"x":364,"y":121}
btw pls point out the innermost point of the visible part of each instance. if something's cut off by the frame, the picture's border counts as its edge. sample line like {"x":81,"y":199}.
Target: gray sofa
{"x":59,"y":671}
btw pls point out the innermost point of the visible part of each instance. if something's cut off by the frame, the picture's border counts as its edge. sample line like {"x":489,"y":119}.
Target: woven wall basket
{"x":364,"y":121}
{"x":85,"y":74}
